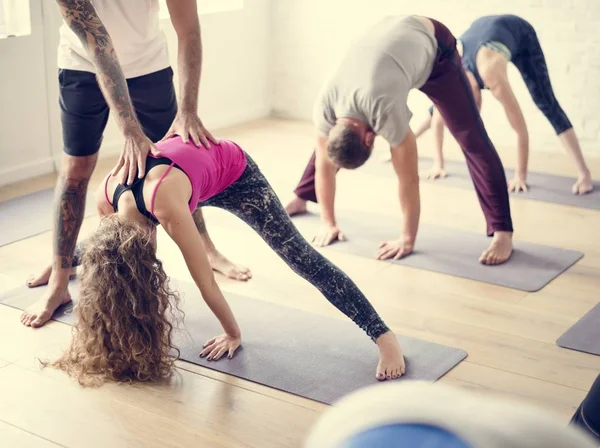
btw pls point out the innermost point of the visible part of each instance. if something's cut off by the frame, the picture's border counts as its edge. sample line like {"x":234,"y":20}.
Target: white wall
{"x":24,"y":134}
{"x":309,"y":37}
{"x":233,"y":87}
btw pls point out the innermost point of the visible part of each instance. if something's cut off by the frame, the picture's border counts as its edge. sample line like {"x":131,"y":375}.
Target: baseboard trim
{"x":26,"y":171}
{"x":113,"y":148}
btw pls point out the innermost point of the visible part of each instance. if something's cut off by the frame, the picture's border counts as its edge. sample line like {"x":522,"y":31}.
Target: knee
{"x":437,"y":122}
{"x":78,"y":168}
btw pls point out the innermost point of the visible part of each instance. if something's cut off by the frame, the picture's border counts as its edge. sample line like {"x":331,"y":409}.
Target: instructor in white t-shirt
{"x":113,"y":56}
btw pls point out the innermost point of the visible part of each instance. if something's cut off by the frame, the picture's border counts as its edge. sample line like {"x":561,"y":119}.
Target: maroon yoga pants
{"x":451,"y":93}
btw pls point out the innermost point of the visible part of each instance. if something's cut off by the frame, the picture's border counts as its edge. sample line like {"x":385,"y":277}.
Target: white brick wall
{"x":309,"y":36}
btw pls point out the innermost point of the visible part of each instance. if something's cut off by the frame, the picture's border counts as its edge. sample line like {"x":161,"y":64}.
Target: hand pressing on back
{"x":189,"y":126}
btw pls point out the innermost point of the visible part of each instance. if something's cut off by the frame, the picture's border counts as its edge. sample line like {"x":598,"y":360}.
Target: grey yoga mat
{"x":584,"y":336}
{"x":449,"y":251}
{"x":30,"y":215}
{"x":291,"y":350}
{"x":542,"y":187}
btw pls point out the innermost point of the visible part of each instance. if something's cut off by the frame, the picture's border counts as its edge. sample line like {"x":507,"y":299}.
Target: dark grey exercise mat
{"x":542,"y":187}
{"x":449,"y":251}
{"x":291,"y":350}
{"x":584,"y":336}
{"x":30,"y":215}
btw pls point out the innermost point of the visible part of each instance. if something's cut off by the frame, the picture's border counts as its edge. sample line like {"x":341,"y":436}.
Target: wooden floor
{"x":508,"y":334}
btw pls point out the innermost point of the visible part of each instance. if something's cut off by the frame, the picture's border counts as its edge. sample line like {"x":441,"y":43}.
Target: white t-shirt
{"x":374,"y":79}
{"x":133,"y":26}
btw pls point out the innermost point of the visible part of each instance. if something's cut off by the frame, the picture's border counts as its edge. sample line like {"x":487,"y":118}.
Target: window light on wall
{"x":15,"y":19}
{"x":206,"y":6}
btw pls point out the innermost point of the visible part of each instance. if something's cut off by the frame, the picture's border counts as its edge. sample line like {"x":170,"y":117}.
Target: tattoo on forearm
{"x":199,"y":220}
{"x":81,"y":17}
{"x":71,"y":207}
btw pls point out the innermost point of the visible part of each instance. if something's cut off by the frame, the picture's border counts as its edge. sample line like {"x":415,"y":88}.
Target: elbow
{"x":521,"y":131}
{"x":409,"y":182}
{"x":189,"y":35}
{"x":209,"y":287}
{"x":437,"y":122}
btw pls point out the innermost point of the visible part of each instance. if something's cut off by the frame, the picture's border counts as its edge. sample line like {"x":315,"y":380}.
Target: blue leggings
{"x":587,"y":415}
{"x":532,"y":65}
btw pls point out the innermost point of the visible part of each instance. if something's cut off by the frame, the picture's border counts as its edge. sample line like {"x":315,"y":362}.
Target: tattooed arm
{"x":184,"y":16}
{"x":82,"y":19}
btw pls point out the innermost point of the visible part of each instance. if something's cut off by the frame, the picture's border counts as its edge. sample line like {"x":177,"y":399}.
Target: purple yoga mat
{"x":305,"y":354}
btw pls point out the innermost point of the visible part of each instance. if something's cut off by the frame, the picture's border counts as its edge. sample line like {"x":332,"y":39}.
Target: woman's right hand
{"x":326,"y":235}
{"x":435,"y":173}
{"x":215,"y":348}
{"x":517,"y":184}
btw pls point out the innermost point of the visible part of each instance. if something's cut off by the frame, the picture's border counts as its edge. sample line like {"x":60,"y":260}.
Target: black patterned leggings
{"x":252,"y":199}
{"x":532,"y":66}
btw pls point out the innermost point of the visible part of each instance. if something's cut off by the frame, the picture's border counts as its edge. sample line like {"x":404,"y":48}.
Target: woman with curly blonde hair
{"x":125,"y":313}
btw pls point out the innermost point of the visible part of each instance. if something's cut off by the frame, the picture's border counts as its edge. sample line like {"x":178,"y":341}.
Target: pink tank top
{"x":210,"y":170}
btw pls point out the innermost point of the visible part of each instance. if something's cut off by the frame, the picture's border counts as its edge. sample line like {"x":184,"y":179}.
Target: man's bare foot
{"x":221,"y":264}
{"x":499,"y":251}
{"x":41,"y":311}
{"x":583,"y":185}
{"x":44,"y":277}
{"x":297,"y":206}
{"x":391,"y":361}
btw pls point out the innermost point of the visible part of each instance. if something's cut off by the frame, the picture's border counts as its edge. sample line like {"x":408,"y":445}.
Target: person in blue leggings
{"x":420,"y":414}
{"x":587,"y":416}
{"x":488,"y":46}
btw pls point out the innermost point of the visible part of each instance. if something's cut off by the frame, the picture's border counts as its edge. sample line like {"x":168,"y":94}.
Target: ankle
{"x":59,"y":278}
{"x":211,"y":254}
{"x":385,"y":339}
{"x":503,"y":235}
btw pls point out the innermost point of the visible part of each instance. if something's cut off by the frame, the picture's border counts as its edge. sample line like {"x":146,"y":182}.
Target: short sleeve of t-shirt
{"x":392,"y":119}
{"x":324,"y":112}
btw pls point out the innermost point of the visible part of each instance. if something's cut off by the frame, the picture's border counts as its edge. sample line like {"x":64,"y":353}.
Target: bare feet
{"x":44,"y":277}
{"x":391,"y":361}
{"x":41,"y":311}
{"x":221,"y":264}
{"x":297,"y":206}
{"x":583,"y":185}
{"x":499,"y":251}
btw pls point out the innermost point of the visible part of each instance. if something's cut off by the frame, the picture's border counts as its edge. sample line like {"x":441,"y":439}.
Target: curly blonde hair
{"x":126,"y":312}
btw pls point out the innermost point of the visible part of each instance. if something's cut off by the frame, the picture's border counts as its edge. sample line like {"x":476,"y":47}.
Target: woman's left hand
{"x":215,"y":348}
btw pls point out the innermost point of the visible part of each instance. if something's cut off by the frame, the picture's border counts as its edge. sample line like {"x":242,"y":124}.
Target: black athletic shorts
{"x":84,"y":111}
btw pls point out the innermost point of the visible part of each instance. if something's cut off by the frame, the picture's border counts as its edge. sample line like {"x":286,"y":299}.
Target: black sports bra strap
{"x":137,"y":188}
